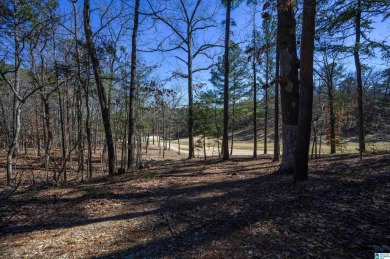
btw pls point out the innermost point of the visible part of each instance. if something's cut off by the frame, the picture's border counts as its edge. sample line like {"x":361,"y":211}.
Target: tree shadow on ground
{"x":263,"y":214}
{"x":314,"y":218}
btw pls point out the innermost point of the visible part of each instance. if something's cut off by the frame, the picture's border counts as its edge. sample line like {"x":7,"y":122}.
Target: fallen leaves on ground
{"x":207,"y":209}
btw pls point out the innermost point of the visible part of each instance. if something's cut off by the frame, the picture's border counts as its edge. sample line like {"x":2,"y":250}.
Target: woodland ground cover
{"x":183,"y":208}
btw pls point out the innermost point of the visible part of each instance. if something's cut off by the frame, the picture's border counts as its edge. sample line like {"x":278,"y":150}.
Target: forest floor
{"x":241,"y":208}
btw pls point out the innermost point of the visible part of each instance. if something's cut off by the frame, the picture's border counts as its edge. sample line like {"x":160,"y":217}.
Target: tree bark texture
{"x":254,"y":89}
{"x":332,"y":119}
{"x":362,"y":145}
{"x":306,"y":91}
{"x":289,"y":84}
{"x":276,"y":127}
{"x":100,"y":88}
{"x":225,"y":138}
{"x":131,"y":133}
{"x":191,"y":153}
{"x":12,"y":149}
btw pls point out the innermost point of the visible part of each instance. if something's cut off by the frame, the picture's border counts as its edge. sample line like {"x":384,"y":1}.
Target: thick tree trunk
{"x":100,"y":88}
{"x":306,"y":91}
{"x":289,"y":84}
{"x":289,"y":138}
{"x":362,"y":145}
{"x":225,"y":138}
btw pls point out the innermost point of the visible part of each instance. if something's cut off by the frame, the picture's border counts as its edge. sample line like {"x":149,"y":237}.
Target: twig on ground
{"x":167,"y":217}
{"x":14,"y":189}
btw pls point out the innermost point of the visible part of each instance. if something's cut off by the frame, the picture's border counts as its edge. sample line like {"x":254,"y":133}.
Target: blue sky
{"x":166,"y":63}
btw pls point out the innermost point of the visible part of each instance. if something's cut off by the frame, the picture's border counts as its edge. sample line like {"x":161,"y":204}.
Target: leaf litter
{"x":241,"y":208}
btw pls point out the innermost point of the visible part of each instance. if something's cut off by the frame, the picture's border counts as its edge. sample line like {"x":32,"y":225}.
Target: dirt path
{"x":211,"y":152}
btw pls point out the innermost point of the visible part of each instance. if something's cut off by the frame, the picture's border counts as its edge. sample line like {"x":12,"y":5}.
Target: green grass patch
{"x":150,"y":176}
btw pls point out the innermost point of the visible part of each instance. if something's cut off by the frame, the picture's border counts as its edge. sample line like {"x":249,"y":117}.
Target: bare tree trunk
{"x":88,"y":125}
{"x":319,"y":148}
{"x":153,"y":131}
{"x":38,"y":135}
{"x":178,"y":141}
{"x":12,"y":149}
{"x":276,"y":127}
{"x":5,"y":123}
{"x":47,"y":129}
{"x":62,"y":127}
{"x":312,"y":146}
{"x":266,"y":99}
{"x":124,"y":137}
{"x":100,"y":88}
{"x":147,"y":143}
{"x":306,"y":91}
{"x":254,"y":87}
{"x":225,"y":139}
{"x":332,"y":119}
{"x":289,"y":84}
{"x":95,"y":141}
{"x":15,"y":139}
{"x":131,"y":145}
{"x":169,"y":138}
{"x":191,"y":153}
{"x":316,"y":146}
{"x":163,"y":126}
{"x":81,"y":83}
{"x":204,"y":146}
{"x":362,"y":145}
{"x":232,"y":132}
{"x":266,"y":118}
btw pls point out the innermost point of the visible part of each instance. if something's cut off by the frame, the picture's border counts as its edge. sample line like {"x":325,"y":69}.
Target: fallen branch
{"x":166,"y":217}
